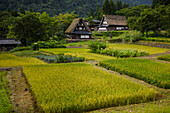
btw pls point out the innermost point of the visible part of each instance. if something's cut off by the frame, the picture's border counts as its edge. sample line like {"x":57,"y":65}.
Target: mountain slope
{"x":54,"y":7}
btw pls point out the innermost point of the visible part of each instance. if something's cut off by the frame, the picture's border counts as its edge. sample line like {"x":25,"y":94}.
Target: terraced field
{"x":77,"y":87}
{"x":152,"y":72}
{"x":79,"y":52}
{"x":151,"y":50}
{"x":8,"y":60}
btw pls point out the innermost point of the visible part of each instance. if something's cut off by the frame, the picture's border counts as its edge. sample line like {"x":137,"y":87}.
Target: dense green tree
{"x":91,"y":13}
{"x":119,"y":5}
{"x":98,"y":14}
{"x":112,"y":8}
{"x":106,"y":7}
{"x":160,"y":2}
{"x":27,"y":29}
{"x":21,"y":10}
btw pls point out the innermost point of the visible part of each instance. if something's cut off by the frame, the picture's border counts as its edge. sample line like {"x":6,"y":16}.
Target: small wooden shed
{"x":7,"y":44}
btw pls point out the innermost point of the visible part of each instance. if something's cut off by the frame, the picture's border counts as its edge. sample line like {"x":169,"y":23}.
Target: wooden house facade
{"x":78,"y":30}
{"x":113,"y":23}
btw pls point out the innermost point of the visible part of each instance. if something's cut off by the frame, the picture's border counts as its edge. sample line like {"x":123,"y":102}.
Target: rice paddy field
{"x":152,"y":72}
{"x":9,"y":60}
{"x":151,"y":50}
{"x":79,"y":52}
{"x":77,"y":87}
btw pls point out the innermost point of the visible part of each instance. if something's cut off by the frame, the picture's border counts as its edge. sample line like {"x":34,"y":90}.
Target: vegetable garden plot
{"x":77,"y":87}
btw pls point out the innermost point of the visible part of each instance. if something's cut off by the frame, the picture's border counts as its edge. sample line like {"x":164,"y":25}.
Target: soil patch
{"x":21,"y":98}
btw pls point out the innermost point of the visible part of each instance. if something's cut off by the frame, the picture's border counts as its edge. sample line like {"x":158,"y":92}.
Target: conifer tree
{"x":112,"y":7}
{"x":106,"y":7}
{"x":91,"y":14}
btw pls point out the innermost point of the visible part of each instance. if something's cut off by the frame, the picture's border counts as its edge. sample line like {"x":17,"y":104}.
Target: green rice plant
{"x":5,"y":104}
{"x":164,"y":57}
{"x":152,"y":72}
{"x":79,"y":87}
{"x":8,"y":60}
{"x":60,"y":58}
{"x":123,"y":52}
{"x":151,"y":50}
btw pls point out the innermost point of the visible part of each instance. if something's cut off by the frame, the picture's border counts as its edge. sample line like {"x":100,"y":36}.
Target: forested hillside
{"x":53,"y":7}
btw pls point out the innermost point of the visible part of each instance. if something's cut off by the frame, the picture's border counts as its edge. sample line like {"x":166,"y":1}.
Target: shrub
{"x":131,"y":36}
{"x":19,"y":49}
{"x":96,"y":45}
{"x":48,"y":44}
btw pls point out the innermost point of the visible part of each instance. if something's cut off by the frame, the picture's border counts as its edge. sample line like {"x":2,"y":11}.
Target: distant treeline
{"x":54,"y":7}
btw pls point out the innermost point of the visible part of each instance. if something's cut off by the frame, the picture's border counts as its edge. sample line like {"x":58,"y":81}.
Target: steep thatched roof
{"x":9,"y":41}
{"x":74,"y":24}
{"x":114,"y":20}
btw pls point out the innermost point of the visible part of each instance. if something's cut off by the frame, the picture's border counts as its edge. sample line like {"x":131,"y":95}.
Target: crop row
{"x":154,"y":73}
{"x":60,"y":58}
{"x":164,"y":57}
{"x":78,"y":87}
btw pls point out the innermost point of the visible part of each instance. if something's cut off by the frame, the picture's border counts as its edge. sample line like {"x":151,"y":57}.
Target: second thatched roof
{"x":114,"y":20}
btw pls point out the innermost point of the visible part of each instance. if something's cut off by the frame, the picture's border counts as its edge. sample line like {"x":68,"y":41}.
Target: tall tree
{"x":112,"y":7}
{"x":28,"y":28}
{"x":106,"y":7}
{"x":91,"y":13}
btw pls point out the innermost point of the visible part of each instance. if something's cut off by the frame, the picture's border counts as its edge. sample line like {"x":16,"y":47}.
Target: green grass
{"x":157,"y":39}
{"x":154,"y":73}
{"x":28,"y":53}
{"x":8,"y":60}
{"x":77,"y":87}
{"x":164,"y":57}
{"x":5,"y":105}
{"x":77,"y":44}
{"x":151,"y":50}
{"x":78,"y":52}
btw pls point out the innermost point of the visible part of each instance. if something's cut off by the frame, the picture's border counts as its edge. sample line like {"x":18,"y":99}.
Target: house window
{"x":84,"y":36}
{"x":102,"y":29}
{"x":80,"y":28}
{"x":105,"y":23}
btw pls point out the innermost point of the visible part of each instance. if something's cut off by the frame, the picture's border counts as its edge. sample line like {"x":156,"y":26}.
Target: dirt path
{"x":21,"y":97}
{"x":154,"y":57}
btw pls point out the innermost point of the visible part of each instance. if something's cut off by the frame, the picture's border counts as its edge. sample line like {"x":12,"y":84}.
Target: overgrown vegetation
{"x":20,"y":49}
{"x":79,"y":87}
{"x":60,"y":58}
{"x":47,"y":44}
{"x":96,"y":45}
{"x":164,"y":57}
{"x":28,"y":53}
{"x":122,"y":52}
{"x":128,"y":37}
{"x":152,"y":72}
{"x":5,"y":104}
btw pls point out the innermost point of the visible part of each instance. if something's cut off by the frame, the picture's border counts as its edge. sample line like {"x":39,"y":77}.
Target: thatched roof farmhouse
{"x":113,"y":22}
{"x":78,"y":30}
